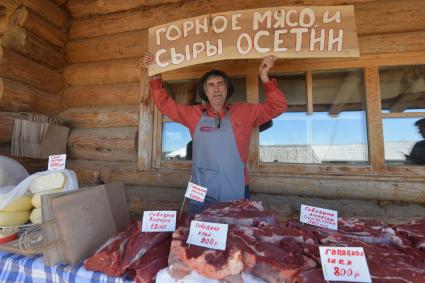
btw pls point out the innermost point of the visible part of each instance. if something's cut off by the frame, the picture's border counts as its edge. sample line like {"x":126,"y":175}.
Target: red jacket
{"x":243,"y":116}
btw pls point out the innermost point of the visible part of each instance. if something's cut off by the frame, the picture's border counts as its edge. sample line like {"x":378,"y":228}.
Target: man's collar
{"x":210,"y":111}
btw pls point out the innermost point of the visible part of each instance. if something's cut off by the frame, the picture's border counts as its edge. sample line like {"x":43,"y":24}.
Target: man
{"x":417,"y":155}
{"x":221,"y":132}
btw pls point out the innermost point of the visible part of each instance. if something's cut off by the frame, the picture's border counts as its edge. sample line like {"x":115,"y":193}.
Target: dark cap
{"x":215,"y":73}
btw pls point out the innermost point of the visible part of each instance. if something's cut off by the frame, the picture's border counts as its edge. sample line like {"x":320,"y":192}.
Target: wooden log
{"x":32,"y":46}
{"x":50,"y":11}
{"x":60,"y":2}
{"x":19,"y":68}
{"x":24,"y":17}
{"x":109,"y":117}
{"x":392,"y":43}
{"x":371,"y":16}
{"x":363,"y":187}
{"x":102,"y":95}
{"x":84,"y":8}
{"x":112,"y":144}
{"x":116,"y":46}
{"x":108,"y":72}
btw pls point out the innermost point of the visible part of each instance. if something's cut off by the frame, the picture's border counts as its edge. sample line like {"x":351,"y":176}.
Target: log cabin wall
{"x":106,"y":88}
{"x":106,"y":84}
{"x":32,"y":57}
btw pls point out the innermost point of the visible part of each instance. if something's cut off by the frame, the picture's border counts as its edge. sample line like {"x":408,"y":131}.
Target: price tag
{"x":344,"y":264}
{"x":195,"y":192}
{"x":208,"y":235}
{"x":56,"y":162}
{"x":159,"y":221}
{"x":319,"y":217}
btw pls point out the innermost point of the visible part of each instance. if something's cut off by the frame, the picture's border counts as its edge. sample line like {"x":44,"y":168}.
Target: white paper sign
{"x":195,"y":192}
{"x":159,"y":221}
{"x":344,"y":264}
{"x":208,"y":235}
{"x":57,"y":162}
{"x":319,"y":217}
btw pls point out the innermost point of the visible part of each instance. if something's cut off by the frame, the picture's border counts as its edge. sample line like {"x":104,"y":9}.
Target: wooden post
{"x":145,"y":142}
{"x":374,"y":118}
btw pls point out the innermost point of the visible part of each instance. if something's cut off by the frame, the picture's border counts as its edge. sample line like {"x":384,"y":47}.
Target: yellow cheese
{"x":47,"y":182}
{"x":14,"y":218}
{"x":20,"y":204}
{"x":36,"y":216}
{"x":36,"y":198}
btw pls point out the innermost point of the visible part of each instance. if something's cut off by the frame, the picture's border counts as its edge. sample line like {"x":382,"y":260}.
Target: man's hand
{"x":147,"y":60}
{"x":266,"y":64}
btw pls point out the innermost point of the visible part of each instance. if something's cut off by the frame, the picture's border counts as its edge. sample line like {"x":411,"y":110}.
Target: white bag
{"x":11,"y":172}
{"x":9,"y":193}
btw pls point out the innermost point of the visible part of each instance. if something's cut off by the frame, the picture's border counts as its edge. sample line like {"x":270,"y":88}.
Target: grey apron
{"x":216,"y":162}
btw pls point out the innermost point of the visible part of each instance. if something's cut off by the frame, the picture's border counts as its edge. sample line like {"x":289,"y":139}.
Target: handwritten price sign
{"x":159,"y":221}
{"x":195,"y":192}
{"x":344,"y":264}
{"x":208,"y":235}
{"x":57,"y":162}
{"x":319,"y":217}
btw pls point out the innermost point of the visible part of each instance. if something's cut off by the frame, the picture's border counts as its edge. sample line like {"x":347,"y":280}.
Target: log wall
{"x":104,"y":88}
{"x":33,"y":34}
{"x":104,"y":78}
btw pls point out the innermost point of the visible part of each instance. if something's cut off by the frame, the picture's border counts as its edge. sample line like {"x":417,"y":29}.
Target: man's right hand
{"x":148,"y":58}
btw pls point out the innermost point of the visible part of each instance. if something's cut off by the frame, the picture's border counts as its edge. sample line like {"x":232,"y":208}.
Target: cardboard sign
{"x":319,"y":217}
{"x":159,"y":221}
{"x":344,"y":264}
{"x":57,"y":162}
{"x":286,"y":32}
{"x":195,"y":192}
{"x":208,"y":235}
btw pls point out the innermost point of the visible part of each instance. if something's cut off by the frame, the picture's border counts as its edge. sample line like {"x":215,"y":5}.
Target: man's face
{"x":216,"y":91}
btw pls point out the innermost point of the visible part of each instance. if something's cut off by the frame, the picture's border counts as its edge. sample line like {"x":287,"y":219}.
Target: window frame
{"x":369,"y":64}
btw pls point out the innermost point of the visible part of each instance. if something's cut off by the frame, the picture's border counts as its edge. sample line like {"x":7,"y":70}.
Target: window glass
{"x":176,"y":139}
{"x":334,"y":133}
{"x":403,"y":108}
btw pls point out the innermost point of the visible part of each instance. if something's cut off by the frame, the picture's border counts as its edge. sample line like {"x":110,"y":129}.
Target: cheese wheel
{"x":20,"y":204}
{"x":36,"y":216}
{"x":8,"y":218}
{"x":36,"y":198}
{"x":47,"y":182}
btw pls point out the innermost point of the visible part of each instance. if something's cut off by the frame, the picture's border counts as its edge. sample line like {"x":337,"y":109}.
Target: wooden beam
{"x":32,"y":46}
{"x":18,"y":97}
{"x":107,"y":72}
{"x":371,"y":16}
{"x":253,"y":82}
{"x":84,"y":8}
{"x":309,"y":82}
{"x":146,"y":122}
{"x":108,"y":47}
{"x":105,"y":95}
{"x":24,"y":17}
{"x":392,"y":43}
{"x":19,"y":68}
{"x":101,"y":117}
{"x":50,"y":11}
{"x":111,"y":144}
{"x":374,"y":119}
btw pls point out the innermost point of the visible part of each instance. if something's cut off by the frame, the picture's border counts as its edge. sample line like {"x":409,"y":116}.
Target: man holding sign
{"x":220,"y":132}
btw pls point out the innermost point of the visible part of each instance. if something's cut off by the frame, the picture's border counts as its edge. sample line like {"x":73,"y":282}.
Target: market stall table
{"x":17,"y":268}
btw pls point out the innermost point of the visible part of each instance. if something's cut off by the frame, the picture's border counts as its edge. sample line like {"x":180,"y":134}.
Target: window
{"x":403,"y":103}
{"x":176,"y":139}
{"x":319,"y":136}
